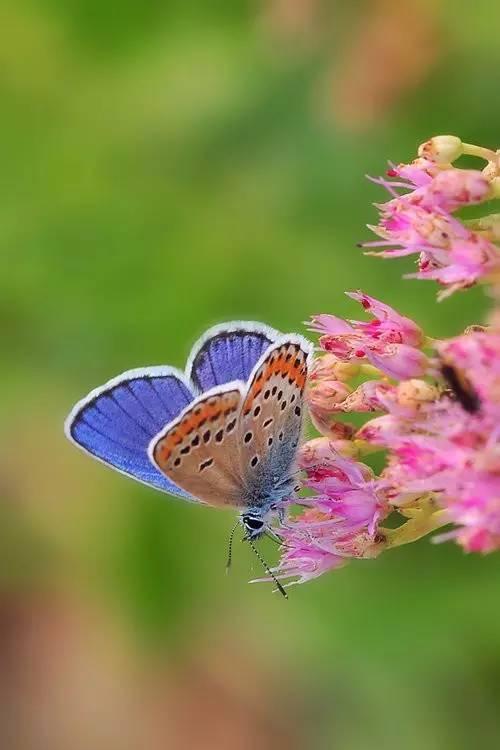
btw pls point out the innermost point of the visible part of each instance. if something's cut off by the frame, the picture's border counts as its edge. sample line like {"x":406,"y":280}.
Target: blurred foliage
{"x":166,"y":166}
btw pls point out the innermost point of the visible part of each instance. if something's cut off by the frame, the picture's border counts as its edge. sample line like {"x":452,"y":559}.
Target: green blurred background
{"x":166,"y":166}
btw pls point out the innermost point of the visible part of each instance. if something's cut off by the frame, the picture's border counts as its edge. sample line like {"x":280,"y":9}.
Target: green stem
{"x":370,"y":371}
{"x":420,"y":525}
{"x":483,"y":153}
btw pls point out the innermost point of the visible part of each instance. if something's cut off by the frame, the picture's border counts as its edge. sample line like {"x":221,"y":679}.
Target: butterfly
{"x":224,"y":432}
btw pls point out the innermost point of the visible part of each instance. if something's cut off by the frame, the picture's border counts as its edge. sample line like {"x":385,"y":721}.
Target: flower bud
{"x":341,"y":430}
{"x":489,"y":224}
{"x":378,"y":431}
{"x":328,"y":367}
{"x":325,"y":396}
{"x":324,"y":452}
{"x":366,"y":397}
{"x":326,"y":425}
{"x":442,"y":149}
{"x":316,"y":451}
{"x":414,"y":393}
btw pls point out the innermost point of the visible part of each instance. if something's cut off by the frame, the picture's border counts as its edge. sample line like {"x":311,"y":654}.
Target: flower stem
{"x":420,"y":525}
{"x":370,"y":371}
{"x":483,"y":153}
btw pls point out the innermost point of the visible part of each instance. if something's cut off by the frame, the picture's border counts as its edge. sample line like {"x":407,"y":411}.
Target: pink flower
{"x":432,"y":186}
{"x":387,"y":323}
{"x":479,"y":540}
{"x":407,"y":405}
{"x":452,"y":448}
{"x":475,"y":507}
{"x":448,"y":190}
{"x":438,"y":426}
{"x":339,"y":522}
{"x":421,"y":221}
{"x":468,"y":260}
{"x":453,"y":188}
{"x":417,"y":174}
{"x":476,"y":357}
{"x":410,"y":229}
{"x":389,"y":341}
{"x":306,"y":556}
{"x":313,"y":545}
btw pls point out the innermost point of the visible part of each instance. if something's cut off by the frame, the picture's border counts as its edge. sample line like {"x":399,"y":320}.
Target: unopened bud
{"x":489,"y":224}
{"x":328,"y":367}
{"x":378,"y":431}
{"x":315,"y":452}
{"x":322,"y":452}
{"x":416,"y":392}
{"x":325,"y":395}
{"x":328,"y":426}
{"x":442,"y":149}
{"x":367,"y":396}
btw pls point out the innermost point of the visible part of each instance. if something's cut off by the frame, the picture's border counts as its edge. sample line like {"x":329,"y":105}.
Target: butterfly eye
{"x":254,"y":524}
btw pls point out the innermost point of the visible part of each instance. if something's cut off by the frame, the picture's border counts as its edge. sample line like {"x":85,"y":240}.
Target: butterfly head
{"x":253,"y":524}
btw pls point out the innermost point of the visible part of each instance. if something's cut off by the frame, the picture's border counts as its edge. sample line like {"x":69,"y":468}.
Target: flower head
{"x":339,"y":522}
{"x":389,"y":342}
{"x":437,"y":412}
{"x":420,"y":220}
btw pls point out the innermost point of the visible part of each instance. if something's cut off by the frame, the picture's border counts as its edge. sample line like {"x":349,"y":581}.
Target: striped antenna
{"x":267,"y":568}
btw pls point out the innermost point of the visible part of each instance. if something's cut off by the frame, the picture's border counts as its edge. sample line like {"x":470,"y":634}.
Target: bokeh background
{"x":166,"y":166}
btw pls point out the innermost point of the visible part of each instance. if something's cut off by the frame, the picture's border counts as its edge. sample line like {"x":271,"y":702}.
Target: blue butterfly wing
{"x":227,"y":353}
{"x":116,"y":422}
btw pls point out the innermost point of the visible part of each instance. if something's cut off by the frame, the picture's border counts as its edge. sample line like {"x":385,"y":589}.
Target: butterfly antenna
{"x":230,"y":547}
{"x":267,"y":568}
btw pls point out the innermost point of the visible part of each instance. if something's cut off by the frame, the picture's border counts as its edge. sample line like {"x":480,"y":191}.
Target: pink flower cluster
{"x":339,"y":522}
{"x":389,"y":341}
{"x":433,"y":406}
{"x":420,"y":220}
{"x":448,"y":447}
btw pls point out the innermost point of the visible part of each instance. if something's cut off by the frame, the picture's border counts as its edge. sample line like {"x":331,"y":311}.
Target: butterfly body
{"x":224,"y":433}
